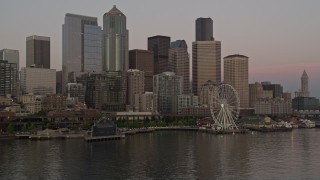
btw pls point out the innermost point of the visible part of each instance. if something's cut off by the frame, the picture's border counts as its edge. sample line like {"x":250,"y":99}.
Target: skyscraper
{"x":236,"y":74}
{"x":8,"y":78}
{"x":304,"y":91}
{"x":143,"y":60}
{"x":204,"y":29}
{"x":206,"y":63}
{"x":38,"y":51}
{"x":10,"y":55}
{"x":81,"y":46}
{"x":206,"y":56}
{"x":160,"y":46}
{"x":179,"y":62}
{"x":116,"y":43}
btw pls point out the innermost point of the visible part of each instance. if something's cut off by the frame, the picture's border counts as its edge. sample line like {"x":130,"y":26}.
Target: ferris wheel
{"x":224,"y":106}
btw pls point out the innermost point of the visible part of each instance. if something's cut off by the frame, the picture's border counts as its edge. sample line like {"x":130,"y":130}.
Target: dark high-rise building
{"x":276,"y":89}
{"x":8,"y":78}
{"x":160,"y":46}
{"x":143,"y":60}
{"x":204,"y":29}
{"x":38,"y":52}
{"x":59,"y":82}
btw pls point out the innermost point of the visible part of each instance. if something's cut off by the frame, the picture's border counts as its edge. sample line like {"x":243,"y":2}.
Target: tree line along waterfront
{"x":32,"y":125}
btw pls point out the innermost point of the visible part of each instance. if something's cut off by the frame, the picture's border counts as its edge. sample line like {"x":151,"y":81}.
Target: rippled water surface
{"x":167,"y":155}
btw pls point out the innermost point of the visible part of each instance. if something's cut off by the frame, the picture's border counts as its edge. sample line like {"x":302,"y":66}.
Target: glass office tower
{"x":81,"y":46}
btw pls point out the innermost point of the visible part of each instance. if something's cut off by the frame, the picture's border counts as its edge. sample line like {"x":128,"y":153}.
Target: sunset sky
{"x":281,"y":38}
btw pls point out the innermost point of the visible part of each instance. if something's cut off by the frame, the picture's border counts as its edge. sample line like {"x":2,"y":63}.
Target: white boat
{"x":305,"y":123}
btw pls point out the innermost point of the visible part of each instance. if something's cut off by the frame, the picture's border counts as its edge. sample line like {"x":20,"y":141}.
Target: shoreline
{"x":131,"y":132}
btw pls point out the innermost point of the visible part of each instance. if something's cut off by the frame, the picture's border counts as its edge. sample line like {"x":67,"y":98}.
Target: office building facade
{"x":59,"y":82}
{"x":38,"y":81}
{"x":167,"y":86}
{"x":38,"y":51}
{"x":276,"y":106}
{"x":204,"y":29}
{"x":10,"y":55}
{"x":179,"y":62}
{"x":206,"y":63}
{"x":160,"y":46}
{"x":276,"y":89}
{"x":76,"y":91}
{"x":135,"y":85}
{"x":305,"y":103}
{"x":81,"y":46}
{"x":186,"y":101}
{"x":115,"y":41}
{"x":256,"y":93}
{"x":143,"y":61}
{"x":236,"y":73}
{"x":146,"y":102}
{"x":8,"y":78}
{"x":106,"y":91}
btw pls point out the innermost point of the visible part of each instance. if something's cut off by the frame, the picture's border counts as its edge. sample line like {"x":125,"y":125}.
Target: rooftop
{"x":81,"y":16}
{"x":159,"y":36}
{"x":236,"y":55}
{"x":179,"y":43}
{"x":114,"y":11}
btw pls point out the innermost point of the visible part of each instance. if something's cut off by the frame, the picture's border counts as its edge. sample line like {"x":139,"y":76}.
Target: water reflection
{"x":167,"y":155}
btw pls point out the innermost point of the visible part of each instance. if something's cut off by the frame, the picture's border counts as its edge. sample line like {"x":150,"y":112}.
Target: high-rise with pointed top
{"x":116,"y":44}
{"x":304,"y":91}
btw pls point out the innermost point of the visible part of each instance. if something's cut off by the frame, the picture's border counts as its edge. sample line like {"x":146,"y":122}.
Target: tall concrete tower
{"x":206,"y":56}
{"x":116,"y":44}
{"x":304,"y":91}
{"x":304,"y":84}
{"x":206,"y":63}
{"x":236,"y":74}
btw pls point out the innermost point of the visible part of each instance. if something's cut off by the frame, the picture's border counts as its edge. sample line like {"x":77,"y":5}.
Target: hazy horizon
{"x":279,"y":37}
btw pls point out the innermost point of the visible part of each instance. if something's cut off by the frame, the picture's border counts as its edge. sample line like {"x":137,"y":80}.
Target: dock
{"x":137,"y":131}
{"x":231,"y":131}
{"x":104,"y":138}
{"x":270,"y":129}
{"x":176,"y":129}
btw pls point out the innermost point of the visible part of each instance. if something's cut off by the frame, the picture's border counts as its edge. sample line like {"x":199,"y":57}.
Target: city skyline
{"x":280,"y":58}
